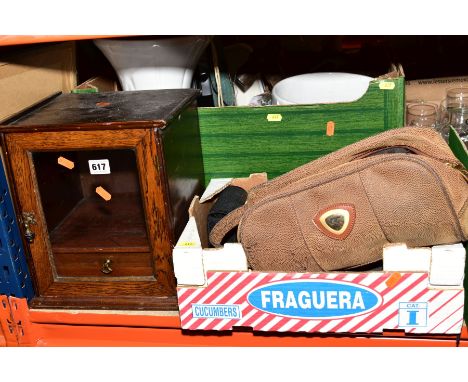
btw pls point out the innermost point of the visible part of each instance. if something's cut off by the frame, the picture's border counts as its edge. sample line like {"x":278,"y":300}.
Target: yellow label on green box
{"x":387,"y":85}
{"x":274,"y":117}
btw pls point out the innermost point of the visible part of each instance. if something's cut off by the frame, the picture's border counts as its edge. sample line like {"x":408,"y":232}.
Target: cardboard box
{"x":432,"y":89}
{"x":32,"y":74}
{"x":217,"y":291}
{"x":238,"y":141}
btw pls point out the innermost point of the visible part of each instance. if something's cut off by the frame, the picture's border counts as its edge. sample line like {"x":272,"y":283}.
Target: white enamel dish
{"x":315,"y":88}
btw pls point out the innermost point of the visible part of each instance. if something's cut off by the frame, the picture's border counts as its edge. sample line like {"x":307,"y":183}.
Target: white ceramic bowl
{"x":314,"y":88}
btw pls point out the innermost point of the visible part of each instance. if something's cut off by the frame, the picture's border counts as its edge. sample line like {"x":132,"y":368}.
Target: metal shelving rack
{"x":15,"y":279}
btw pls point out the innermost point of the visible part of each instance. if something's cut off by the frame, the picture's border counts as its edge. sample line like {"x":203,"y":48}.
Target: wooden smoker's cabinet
{"x":102,"y":184}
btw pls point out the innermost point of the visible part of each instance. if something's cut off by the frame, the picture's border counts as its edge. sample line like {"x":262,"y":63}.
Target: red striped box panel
{"x":321,"y":302}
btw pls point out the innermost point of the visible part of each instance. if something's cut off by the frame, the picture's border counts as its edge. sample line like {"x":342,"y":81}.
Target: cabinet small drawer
{"x":105,"y":265}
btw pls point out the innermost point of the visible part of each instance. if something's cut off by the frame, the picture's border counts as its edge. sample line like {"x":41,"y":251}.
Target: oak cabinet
{"x":102,"y":184}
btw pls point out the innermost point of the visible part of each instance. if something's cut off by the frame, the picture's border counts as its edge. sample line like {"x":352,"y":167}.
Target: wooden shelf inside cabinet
{"x":81,"y":230}
{"x":102,"y":183}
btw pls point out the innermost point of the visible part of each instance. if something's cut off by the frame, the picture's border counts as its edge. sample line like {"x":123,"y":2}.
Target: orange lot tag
{"x":65,"y":163}
{"x":103,"y":193}
{"x":330,"y":128}
{"x":393,"y":279}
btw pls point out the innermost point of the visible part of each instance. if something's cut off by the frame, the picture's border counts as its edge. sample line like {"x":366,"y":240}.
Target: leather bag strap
{"x":230,"y":221}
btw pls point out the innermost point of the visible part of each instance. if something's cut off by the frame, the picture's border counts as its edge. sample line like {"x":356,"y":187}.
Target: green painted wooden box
{"x":238,"y":141}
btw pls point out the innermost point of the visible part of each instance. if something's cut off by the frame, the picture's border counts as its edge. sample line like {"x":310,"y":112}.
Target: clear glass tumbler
{"x":421,"y":114}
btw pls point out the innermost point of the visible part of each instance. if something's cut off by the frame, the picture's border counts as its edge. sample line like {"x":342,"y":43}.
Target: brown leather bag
{"x":337,"y":212}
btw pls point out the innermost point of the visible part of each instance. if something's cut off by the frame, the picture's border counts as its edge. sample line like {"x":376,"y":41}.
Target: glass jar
{"x":455,"y":113}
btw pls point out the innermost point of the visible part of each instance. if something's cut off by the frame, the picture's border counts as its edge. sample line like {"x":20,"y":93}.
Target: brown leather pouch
{"x":337,"y":212}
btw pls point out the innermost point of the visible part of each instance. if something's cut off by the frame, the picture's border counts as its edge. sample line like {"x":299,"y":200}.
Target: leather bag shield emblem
{"x":336,"y":221}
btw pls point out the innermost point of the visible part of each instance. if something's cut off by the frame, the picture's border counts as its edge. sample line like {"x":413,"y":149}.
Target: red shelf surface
{"x":111,"y":328}
{"x":6,"y":40}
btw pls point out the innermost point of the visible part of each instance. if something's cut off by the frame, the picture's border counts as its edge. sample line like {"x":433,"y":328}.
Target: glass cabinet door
{"x":94,"y":210}
{"x":91,"y":200}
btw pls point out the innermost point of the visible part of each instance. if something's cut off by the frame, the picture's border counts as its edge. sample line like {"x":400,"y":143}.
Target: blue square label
{"x":412,"y":314}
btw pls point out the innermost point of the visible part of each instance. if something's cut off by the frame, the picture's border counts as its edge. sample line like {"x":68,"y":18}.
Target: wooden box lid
{"x":114,"y":109}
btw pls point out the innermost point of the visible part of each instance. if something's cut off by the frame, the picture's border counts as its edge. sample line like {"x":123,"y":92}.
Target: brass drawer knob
{"x":106,"y":267}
